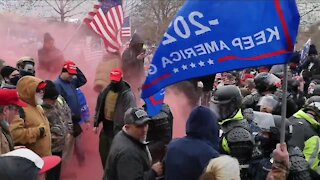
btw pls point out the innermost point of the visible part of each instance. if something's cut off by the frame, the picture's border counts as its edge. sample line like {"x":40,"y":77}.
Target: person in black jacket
{"x":112,"y":103}
{"x":129,"y":156}
{"x":160,"y":132}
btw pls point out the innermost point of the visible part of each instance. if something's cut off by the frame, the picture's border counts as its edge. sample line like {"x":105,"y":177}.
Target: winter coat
{"x":26,"y":131}
{"x":68,"y":91}
{"x":104,"y":67}
{"x":128,"y":159}
{"x":59,"y":116}
{"x":187,"y":157}
{"x":305,"y":136}
{"x":160,"y":133}
{"x":125,"y":100}
{"x":132,"y":66}
{"x":6,"y":143}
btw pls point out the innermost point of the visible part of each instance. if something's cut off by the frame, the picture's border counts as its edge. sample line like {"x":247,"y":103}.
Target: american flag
{"x":106,"y":20}
{"x":126,"y":28}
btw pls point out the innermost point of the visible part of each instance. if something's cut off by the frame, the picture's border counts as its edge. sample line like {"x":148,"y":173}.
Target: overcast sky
{"x":44,"y":10}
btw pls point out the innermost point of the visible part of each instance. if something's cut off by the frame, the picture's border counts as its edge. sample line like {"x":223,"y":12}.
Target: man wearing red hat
{"x":69,"y":80}
{"x":111,"y":106}
{"x":9,"y":109}
{"x":67,"y":83}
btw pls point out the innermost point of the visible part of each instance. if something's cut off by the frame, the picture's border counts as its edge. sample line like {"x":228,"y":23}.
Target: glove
{"x":42,"y":132}
{"x":76,"y":119}
{"x":77,"y":130}
{"x":22,"y":114}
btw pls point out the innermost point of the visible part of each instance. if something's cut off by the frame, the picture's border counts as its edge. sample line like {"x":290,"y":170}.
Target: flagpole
{"x":73,"y":35}
{"x":284,"y":104}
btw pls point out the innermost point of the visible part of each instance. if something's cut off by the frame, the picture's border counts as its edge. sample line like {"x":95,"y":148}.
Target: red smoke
{"x":22,"y":36}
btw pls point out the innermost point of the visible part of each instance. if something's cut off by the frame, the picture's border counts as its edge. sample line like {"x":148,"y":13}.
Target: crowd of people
{"x":233,"y":131}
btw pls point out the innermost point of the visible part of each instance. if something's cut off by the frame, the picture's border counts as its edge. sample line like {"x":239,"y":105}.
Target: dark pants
{"x":54,"y":173}
{"x":105,"y":140}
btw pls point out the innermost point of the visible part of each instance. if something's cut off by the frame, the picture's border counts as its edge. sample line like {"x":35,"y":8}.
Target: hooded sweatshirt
{"x":132,"y":66}
{"x":26,"y":131}
{"x":187,"y":157}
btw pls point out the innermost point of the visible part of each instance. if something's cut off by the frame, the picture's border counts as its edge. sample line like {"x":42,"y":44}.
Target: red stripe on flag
{"x":284,"y":25}
{"x":147,"y":86}
{"x":155,"y":102}
{"x":107,"y":25}
{"x":268,"y":55}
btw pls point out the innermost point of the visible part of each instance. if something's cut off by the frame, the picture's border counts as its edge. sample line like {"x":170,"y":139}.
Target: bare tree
{"x":154,"y":16}
{"x":64,"y":8}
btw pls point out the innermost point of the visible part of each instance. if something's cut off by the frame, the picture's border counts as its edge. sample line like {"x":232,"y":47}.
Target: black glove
{"x":42,"y":132}
{"x":76,"y":119}
{"x":22,"y":114}
{"x":77,"y":130}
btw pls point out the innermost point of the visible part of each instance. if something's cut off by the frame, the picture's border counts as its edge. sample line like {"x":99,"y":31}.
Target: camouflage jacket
{"x":59,"y":117}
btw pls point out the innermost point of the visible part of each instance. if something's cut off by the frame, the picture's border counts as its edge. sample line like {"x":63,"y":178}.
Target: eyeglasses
{"x":14,"y":108}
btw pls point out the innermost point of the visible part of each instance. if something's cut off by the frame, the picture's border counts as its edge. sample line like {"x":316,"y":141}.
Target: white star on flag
{"x":210,"y":61}
{"x":175,"y":70}
{"x":184,"y":67}
{"x":193,"y":65}
{"x":201,"y":63}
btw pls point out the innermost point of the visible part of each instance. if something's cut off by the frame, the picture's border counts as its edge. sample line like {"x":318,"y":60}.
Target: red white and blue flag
{"x":126,"y":28}
{"x":106,"y":20}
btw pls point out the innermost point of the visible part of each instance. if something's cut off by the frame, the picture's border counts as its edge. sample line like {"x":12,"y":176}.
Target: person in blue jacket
{"x":187,"y":157}
{"x":67,"y":83}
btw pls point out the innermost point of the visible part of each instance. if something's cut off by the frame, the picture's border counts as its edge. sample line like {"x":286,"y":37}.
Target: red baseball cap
{"x":116,"y":75}
{"x":11,"y":97}
{"x":44,"y":164}
{"x":71,"y":67}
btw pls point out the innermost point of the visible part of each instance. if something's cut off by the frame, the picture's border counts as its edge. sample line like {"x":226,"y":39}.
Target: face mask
{"x":14,"y":80}
{"x":38,"y":99}
{"x":29,"y":68}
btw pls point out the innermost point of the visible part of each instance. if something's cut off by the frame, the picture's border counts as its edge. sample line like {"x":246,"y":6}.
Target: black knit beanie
{"x":7,"y":70}
{"x":50,"y":91}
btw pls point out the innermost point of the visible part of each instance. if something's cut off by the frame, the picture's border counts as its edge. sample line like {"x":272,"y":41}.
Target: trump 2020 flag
{"x":211,"y":36}
{"x":154,"y":103}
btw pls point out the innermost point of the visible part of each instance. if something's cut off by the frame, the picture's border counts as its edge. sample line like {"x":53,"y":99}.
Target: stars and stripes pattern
{"x":126,"y":28}
{"x":106,"y":20}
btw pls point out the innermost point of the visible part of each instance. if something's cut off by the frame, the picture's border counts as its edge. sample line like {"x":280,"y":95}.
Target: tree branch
{"x":315,"y":7}
{"x":59,"y":12}
{"x":74,"y":7}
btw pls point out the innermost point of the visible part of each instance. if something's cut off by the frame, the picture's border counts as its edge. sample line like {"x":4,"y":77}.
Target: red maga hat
{"x":71,"y":67}
{"x":11,"y":97}
{"x":116,"y":75}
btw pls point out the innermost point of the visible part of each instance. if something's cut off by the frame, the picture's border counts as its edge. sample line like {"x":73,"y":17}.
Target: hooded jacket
{"x":187,"y":157}
{"x":132,"y":66}
{"x":26,"y":131}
